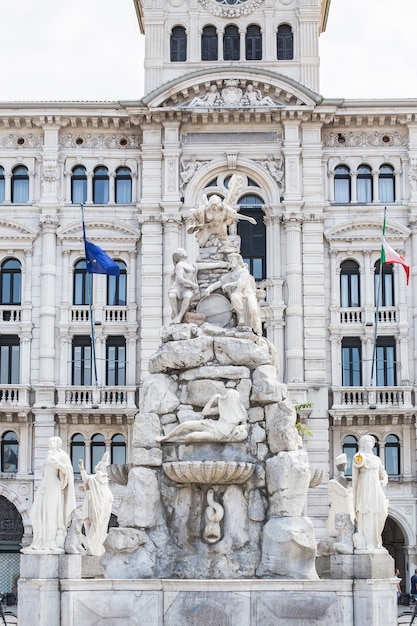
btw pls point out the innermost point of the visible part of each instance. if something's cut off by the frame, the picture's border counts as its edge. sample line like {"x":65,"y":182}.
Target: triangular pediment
{"x":366,"y":232}
{"x":121,"y":235}
{"x":240,"y":88}
{"x":16,"y":235}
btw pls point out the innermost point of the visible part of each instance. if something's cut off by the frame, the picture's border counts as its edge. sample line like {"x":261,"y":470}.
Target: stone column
{"x":294,"y":311}
{"x":46,"y":388}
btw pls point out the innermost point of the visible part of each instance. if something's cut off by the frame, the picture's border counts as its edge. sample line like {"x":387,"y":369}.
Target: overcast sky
{"x":92,"y":50}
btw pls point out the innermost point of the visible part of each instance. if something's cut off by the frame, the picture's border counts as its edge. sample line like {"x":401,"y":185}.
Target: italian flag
{"x":388,"y":255}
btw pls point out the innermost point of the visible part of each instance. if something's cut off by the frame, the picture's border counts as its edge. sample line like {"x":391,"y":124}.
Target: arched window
{"x":285,"y":43}
{"x":386,"y":183}
{"x":2,"y":184}
{"x":9,"y":360}
{"x":82,"y":284}
{"x":20,"y":185}
{"x":77,"y":451}
{"x":117,"y":287}
{"x":78,"y":185}
{"x":392,"y":455}
{"x":342,"y":184}
{"x":253,"y":236}
{"x":98,"y":448}
{"x":350,"y":448}
{"x":386,"y":363}
{"x":364,"y":184}
{"x":253,"y":43}
{"x":101,"y":185}
{"x":231,"y":43}
{"x":349,"y":284}
{"x":9,"y":452}
{"x":123,"y":192}
{"x":118,"y":449}
{"x":384,"y":289}
{"x":209,"y":45}
{"x":10,"y":282}
{"x":351,"y":362}
{"x":115,"y":361}
{"x":81,"y":360}
{"x":178,"y":44}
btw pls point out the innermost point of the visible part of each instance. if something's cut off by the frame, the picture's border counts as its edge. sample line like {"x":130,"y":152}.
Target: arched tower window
{"x":386,"y":184}
{"x":101,"y":185}
{"x":253,"y":43}
{"x":342,"y":191}
{"x":10,"y":282}
{"x":178,"y":44}
{"x":285,"y":43}
{"x":231,"y":43}
{"x":364,"y":184}
{"x":123,"y":192}
{"x":209,"y":44}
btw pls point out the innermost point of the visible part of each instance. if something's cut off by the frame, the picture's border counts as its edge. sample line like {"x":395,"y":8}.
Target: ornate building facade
{"x":232,"y":86}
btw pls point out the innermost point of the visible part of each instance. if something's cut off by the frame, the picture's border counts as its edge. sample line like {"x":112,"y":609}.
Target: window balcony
{"x":351,"y":315}
{"x":104,"y":397}
{"x":14,"y":396}
{"x":108,"y":314}
{"x":80,"y":314}
{"x":371,"y":397}
{"x":10,"y":313}
{"x":115,"y":314}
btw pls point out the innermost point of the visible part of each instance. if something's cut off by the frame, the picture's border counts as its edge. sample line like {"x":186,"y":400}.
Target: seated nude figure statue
{"x":184,"y":282}
{"x":239,"y":285}
{"x":230,"y":426}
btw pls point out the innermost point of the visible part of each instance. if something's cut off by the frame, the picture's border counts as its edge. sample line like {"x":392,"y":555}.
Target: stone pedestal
{"x":375,"y":565}
{"x":39,"y":592}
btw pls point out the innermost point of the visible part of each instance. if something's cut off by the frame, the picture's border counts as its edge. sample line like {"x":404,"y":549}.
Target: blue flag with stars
{"x":98,"y":261}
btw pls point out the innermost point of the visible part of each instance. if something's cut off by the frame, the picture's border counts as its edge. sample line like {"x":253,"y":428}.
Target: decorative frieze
{"x":375,"y":139}
{"x":109,"y":142}
{"x":20,"y":142}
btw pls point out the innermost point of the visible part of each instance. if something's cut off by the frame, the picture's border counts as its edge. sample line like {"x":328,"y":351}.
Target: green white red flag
{"x":388,"y":255}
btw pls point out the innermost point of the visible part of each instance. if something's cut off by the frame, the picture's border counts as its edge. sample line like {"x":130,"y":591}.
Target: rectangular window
{"x":9,"y":360}
{"x":116,"y":361}
{"x":386,"y":375}
{"x":81,"y":361}
{"x":351,"y":363}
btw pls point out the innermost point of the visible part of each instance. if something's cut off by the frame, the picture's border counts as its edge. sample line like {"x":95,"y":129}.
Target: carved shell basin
{"x":119,"y":473}
{"x":209,"y":472}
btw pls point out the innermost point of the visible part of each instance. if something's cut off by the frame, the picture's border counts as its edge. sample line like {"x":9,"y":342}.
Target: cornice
{"x":366,"y":230}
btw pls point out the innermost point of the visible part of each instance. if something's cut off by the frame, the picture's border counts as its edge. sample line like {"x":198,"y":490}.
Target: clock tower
{"x":185,"y":36}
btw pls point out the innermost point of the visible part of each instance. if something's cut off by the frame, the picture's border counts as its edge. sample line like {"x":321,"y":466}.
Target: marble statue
{"x":226,"y":499}
{"x":74,"y":542}
{"x":97,"y":506}
{"x":54,"y":502}
{"x":211,"y":98}
{"x":230,"y":426}
{"x":254,"y":97}
{"x":369,"y":501}
{"x":239,"y":286}
{"x":184,"y":285}
{"x":214,"y":215}
{"x":340,"y":522}
{"x":340,"y":496}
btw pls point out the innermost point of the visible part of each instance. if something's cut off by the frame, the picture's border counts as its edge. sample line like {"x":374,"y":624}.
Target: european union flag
{"x":98,"y":261}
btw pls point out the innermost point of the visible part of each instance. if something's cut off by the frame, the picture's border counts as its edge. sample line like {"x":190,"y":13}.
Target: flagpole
{"x":377,"y":308}
{"x":90,"y":303}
